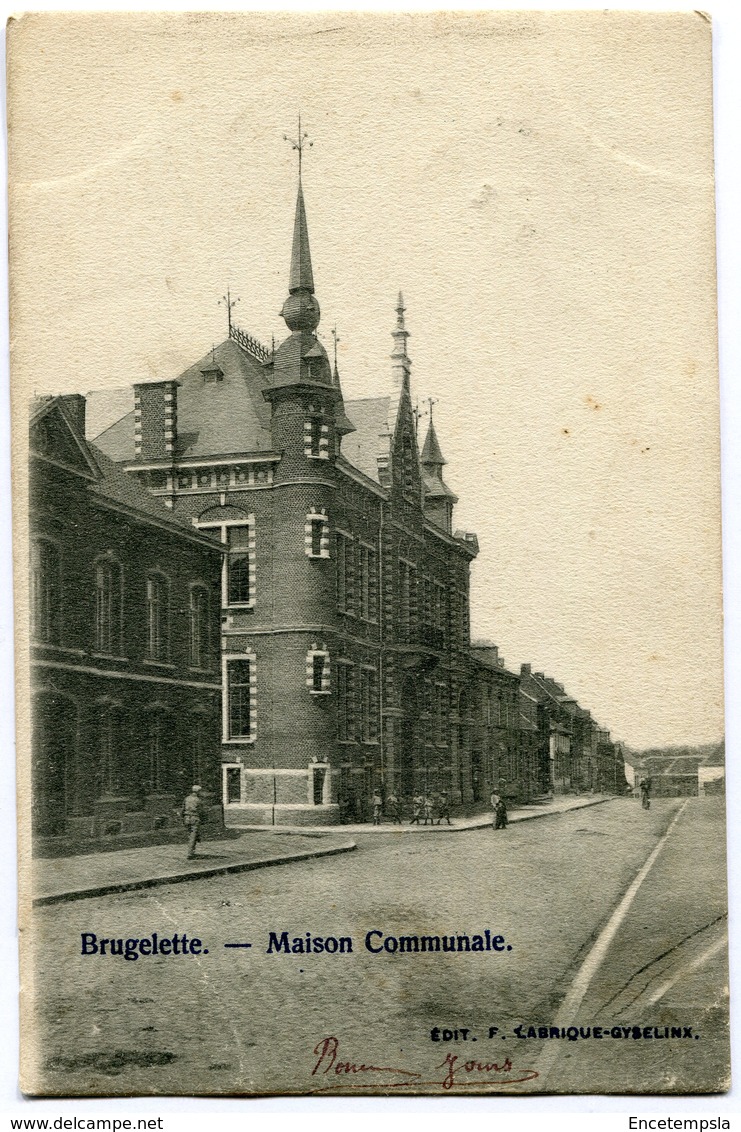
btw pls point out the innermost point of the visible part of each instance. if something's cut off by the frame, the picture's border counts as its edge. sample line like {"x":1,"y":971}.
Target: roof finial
{"x":417,"y":414}
{"x":337,"y":339}
{"x":228,"y":302}
{"x":431,"y":401}
{"x":300,"y":144}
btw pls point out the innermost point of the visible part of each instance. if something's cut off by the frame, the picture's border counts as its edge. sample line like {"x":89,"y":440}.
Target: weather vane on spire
{"x":416,"y":413}
{"x":431,"y":401}
{"x":299,"y":145}
{"x":337,"y":339}
{"x":228,"y":302}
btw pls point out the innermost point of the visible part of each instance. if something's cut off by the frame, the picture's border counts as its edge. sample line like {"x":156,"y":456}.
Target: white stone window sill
{"x":317,"y":455}
{"x":242,"y":605}
{"x":110,"y":656}
{"x":324,"y":556}
{"x":243,"y":741}
{"x":317,"y":692}
{"x":159,"y":664}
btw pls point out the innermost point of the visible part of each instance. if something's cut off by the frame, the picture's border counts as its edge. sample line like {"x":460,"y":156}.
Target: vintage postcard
{"x":367,"y":533}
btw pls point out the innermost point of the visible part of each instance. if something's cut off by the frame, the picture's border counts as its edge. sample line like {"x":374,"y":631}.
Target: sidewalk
{"x":560,"y":805}
{"x":97,"y":874}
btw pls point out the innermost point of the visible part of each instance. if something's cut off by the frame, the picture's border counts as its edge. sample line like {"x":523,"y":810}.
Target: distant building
{"x":125,"y":622}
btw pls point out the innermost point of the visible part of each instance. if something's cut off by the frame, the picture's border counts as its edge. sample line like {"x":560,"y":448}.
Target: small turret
{"x":438,"y":498}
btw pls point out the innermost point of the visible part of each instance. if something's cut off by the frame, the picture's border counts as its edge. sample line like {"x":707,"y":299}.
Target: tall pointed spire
{"x":300,"y":310}
{"x":301,"y":277}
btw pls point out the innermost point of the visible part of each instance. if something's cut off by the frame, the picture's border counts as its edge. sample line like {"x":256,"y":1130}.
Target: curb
{"x":389,"y":828}
{"x":177,"y":878}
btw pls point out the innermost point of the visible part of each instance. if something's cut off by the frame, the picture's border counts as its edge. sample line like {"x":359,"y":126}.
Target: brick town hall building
{"x":346,"y":661}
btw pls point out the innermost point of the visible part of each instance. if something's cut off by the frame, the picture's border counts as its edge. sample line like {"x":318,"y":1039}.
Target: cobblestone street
{"x":241,"y":1020}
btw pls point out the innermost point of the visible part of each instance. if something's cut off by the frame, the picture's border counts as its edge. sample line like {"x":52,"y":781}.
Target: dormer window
{"x":212,"y":373}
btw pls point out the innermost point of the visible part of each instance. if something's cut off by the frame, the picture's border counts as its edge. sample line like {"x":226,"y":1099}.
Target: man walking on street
{"x":193,"y":815}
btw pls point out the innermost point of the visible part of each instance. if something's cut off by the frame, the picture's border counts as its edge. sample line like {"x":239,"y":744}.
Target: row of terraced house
{"x":249,"y":582}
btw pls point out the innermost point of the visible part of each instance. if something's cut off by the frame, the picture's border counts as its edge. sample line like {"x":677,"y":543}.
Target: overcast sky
{"x":539,"y":185}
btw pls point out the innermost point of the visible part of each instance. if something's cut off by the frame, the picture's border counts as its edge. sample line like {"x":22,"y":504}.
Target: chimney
{"x":74,"y":404}
{"x":525,"y":669}
{"x":155,"y":420}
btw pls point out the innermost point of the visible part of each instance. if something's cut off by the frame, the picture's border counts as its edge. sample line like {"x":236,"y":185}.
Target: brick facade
{"x":125,"y":624}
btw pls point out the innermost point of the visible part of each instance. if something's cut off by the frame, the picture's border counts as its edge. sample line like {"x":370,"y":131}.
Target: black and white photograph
{"x":367,"y":546}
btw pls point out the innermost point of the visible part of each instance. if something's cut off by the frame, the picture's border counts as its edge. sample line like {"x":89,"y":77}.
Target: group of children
{"x":431,"y":809}
{"x":426,"y":808}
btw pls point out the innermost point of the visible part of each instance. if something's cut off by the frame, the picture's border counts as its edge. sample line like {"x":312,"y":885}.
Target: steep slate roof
{"x":231,"y":416}
{"x":214,"y":418}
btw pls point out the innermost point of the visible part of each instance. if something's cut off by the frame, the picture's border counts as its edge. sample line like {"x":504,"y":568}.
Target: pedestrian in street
{"x":500,"y":814}
{"x":645,"y":786}
{"x":394,"y":809}
{"x":193,"y":817}
{"x":377,"y":807}
{"x":417,"y":806}
{"x":494,"y":802}
{"x":443,"y":807}
{"x":427,"y":804}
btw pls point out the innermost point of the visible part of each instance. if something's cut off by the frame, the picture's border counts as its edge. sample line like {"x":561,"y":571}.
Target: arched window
{"x":199,"y":638}
{"x":46,"y":592}
{"x":158,"y":617}
{"x":108,"y":606}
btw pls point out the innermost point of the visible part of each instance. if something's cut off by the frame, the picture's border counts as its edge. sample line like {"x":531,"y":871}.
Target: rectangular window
{"x":317,"y":676}
{"x":103,"y":608}
{"x":346,"y":574}
{"x":343,"y":704}
{"x":317,"y":528}
{"x":238,"y":566}
{"x":239,"y":699}
{"x":315,"y":433}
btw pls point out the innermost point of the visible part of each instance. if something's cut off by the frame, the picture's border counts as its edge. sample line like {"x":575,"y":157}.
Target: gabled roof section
{"x":55,"y":437}
{"x":214,"y":418}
